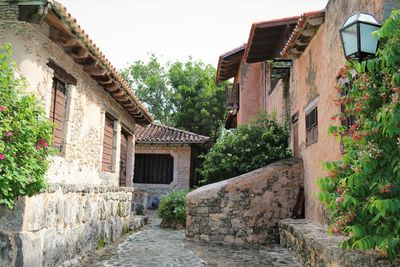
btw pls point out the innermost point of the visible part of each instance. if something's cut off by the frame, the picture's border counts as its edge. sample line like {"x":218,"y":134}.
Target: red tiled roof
{"x":229,"y":63}
{"x":267,"y":38}
{"x":67,"y":33}
{"x":160,"y":134}
{"x":306,"y":28}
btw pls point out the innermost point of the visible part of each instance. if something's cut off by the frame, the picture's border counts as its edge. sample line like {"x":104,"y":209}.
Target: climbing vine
{"x":25,"y":136}
{"x":362,"y":191}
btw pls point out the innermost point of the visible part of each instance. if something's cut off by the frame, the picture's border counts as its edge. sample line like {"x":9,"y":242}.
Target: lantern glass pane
{"x":367,"y":18}
{"x":369,"y":43}
{"x":350,"y":20}
{"x":349,"y":37}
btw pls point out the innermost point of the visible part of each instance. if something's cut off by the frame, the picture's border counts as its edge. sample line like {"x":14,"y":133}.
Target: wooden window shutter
{"x":107,"y":162}
{"x":154,"y":168}
{"x":312,"y":126}
{"x":57,"y":112}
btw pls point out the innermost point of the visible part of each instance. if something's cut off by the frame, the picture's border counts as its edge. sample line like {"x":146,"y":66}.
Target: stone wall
{"x":312,"y":245}
{"x":181,"y":173}
{"x":247,"y":208}
{"x":87,"y":104}
{"x":139,"y":202}
{"x":62,"y":223}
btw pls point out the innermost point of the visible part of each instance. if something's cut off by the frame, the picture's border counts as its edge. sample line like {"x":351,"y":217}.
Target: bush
{"x":172,"y":207}
{"x":246,"y":148}
{"x":25,"y":136}
{"x":362,"y":190}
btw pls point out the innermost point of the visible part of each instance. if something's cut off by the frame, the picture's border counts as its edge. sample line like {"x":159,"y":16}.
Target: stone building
{"x":95,"y":113}
{"x":165,"y":159}
{"x":93,"y":108}
{"x":289,"y":67}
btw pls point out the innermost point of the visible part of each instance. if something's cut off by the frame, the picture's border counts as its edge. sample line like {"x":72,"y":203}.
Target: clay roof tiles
{"x":161,"y":134}
{"x":229,"y":63}
{"x":267,"y":38}
{"x":306,"y":28}
{"x":65,"y":30}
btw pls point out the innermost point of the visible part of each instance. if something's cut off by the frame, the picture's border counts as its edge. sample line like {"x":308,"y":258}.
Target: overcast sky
{"x":127,"y":30}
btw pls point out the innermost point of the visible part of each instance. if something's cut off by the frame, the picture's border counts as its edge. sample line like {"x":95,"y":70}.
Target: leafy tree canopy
{"x":180,"y":94}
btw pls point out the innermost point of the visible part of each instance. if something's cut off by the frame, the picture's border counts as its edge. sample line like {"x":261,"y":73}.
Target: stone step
{"x":138,"y":221}
{"x":313,"y":246}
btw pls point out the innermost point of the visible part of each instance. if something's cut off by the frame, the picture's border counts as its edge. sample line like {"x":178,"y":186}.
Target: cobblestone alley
{"x":155,"y":246}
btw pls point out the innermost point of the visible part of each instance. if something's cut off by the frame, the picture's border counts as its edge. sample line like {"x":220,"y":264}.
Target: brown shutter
{"x":57,"y":112}
{"x":123,"y":159}
{"x":108,"y":145}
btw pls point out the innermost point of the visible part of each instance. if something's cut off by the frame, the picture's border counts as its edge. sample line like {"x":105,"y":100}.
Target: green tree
{"x":180,"y":94}
{"x":246,"y":148}
{"x":198,"y":100}
{"x":150,"y":82}
{"x":362,"y":190}
{"x":25,"y":136}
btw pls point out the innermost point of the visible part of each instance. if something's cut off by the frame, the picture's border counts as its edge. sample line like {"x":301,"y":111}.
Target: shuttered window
{"x":57,"y":113}
{"x":312,"y":126}
{"x":154,"y":168}
{"x":108,"y":140}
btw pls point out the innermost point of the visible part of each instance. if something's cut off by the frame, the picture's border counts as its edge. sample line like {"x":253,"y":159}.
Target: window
{"x":312,"y":126}
{"x":108,"y":141}
{"x":57,"y":112}
{"x":154,"y":168}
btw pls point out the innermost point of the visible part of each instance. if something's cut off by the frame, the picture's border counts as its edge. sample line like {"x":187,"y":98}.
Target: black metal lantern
{"x":356,"y":34}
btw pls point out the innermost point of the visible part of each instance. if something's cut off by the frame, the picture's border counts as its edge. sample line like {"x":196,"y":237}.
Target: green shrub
{"x":25,"y":136}
{"x":172,"y":207}
{"x":246,"y":148}
{"x":362,"y":190}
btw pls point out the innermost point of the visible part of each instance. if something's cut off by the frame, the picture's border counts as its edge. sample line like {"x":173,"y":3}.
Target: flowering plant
{"x":25,"y":134}
{"x":362,"y":191}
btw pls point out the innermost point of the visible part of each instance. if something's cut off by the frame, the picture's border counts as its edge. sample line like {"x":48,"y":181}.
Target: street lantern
{"x":356,"y":34}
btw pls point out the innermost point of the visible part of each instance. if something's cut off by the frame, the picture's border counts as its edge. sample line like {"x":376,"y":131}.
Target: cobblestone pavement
{"x":155,"y":246}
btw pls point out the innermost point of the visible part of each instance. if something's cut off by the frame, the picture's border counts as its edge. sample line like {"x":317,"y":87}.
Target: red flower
{"x":346,"y":167}
{"x":37,"y":147}
{"x":1,"y":156}
{"x":366,"y":97}
{"x":43,"y":143}
{"x":336,"y":230}
{"x":333,"y":118}
{"x":3,"y":108}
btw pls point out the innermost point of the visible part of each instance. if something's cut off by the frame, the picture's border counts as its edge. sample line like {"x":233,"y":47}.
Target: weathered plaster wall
{"x":251,"y":95}
{"x":63,"y":223}
{"x":275,"y":101}
{"x":181,"y":179}
{"x":86,"y":106}
{"x":247,"y":208}
{"x":313,"y":75}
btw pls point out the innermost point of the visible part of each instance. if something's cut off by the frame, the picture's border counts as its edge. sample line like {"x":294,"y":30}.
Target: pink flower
{"x":9,"y":133}
{"x":339,"y":199}
{"x":1,"y":156}
{"x":37,"y":148}
{"x":3,"y":108}
{"x":43,"y":143}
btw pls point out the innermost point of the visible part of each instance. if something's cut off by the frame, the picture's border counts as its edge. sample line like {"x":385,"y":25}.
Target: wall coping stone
{"x":72,"y":188}
{"x":313,"y":246}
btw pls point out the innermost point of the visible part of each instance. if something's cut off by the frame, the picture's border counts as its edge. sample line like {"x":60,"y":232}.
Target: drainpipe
{"x":29,"y":11}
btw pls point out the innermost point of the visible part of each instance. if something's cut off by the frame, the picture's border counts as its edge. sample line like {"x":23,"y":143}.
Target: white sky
{"x":127,"y":30}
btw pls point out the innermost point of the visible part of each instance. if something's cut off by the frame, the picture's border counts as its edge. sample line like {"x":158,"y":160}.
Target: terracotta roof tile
{"x":63,"y":21}
{"x":161,"y":134}
{"x":306,"y":28}
{"x":229,"y":63}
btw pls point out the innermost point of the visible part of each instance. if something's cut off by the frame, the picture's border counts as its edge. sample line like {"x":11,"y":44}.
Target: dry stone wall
{"x":63,"y":223}
{"x":247,"y":208}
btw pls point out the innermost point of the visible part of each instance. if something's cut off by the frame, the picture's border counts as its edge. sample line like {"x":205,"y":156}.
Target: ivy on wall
{"x":362,"y":191}
{"x":25,"y":135}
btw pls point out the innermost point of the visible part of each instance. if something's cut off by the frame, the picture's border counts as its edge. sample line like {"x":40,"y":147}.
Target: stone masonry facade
{"x":181,"y":172}
{"x":63,"y":223}
{"x":87,"y":105}
{"x":247,"y":208}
